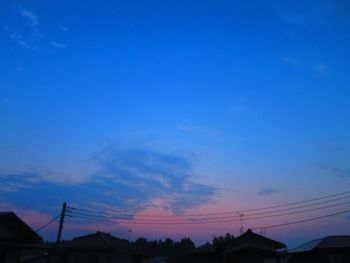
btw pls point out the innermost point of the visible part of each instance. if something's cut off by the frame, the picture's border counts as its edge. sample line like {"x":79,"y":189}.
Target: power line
{"x":303,"y":221}
{"x":222,"y":228}
{"x":107,"y":214}
{"x":211,"y":219}
{"x":48,"y":223}
{"x":192,"y":221}
{"x":224,"y":212}
{"x":297,"y":207}
{"x":282,"y":224}
{"x":293,"y":203}
{"x":300,"y":211}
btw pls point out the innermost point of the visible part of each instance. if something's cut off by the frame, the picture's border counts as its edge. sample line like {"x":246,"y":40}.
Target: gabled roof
{"x":251,"y":240}
{"x":105,"y":242}
{"x":323,"y":243}
{"x":14,"y":229}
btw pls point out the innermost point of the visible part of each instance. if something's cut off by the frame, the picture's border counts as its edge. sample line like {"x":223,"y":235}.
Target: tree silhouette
{"x":222,"y":239}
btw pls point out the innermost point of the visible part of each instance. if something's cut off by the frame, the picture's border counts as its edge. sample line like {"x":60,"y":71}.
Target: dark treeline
{"x":167,"y":247}
{"x":222,"y":239}
{"x":176,"y":251}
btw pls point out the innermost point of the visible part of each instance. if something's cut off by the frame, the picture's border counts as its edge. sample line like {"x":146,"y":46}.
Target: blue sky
{"x":197,"y":103}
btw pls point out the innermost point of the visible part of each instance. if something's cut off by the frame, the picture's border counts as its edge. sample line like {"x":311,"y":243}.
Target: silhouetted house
{"x":204,"y":254}
{"x":100,"y":248}
{"x":247,"y":248}
{"x":13,"y":229}
{"x":159,"y":259}
{"x":16,"y":238}
{"x":331,"y":249}
{"x":252,"y":248}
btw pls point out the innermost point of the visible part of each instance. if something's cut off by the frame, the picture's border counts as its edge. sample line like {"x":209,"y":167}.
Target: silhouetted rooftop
{"x":103,"y":241}
{"x":251,"y":240}
{"x":14,"y":229}
{"x":323,"y":243}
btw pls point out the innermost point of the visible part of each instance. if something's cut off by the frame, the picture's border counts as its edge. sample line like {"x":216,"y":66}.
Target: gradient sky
{"x":173,"y":107}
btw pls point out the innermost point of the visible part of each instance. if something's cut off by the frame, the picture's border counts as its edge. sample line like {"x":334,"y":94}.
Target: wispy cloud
{"x":190,"y":128}
{"x":291,"y":60}
{"x":16,"y":182}
{"x":30,"y":36}
{"x":32,"y":18}
{"x":151,"y":174}
{"x":321,"y":69}
{"x":318,"y":69}
{"x":18,"y":38}
{"x":187,"y":128}
{"x":294,"y":18}
{"x":23,"y":43}
{"x":28,"y":40}
{"x":343,"y":172}
{"x":245,"y":106}
{"x":127,"y":180}
{"x":268,"y":191}
{"x":338,"y":171}
{"x":331,"y":145}
{"x":309,"y":14}
{"x":57,"y":45}
{"x":64,"y":28}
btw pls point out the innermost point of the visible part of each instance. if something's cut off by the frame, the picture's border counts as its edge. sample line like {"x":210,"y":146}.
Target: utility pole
{"x":129,"y":233}
{"x":52,"y":253}
{"x":241,"y":219}
{"x":63,"y":213}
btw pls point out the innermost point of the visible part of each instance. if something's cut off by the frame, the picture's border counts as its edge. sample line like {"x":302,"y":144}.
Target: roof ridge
{"x":308,"y":242}
{"x":336,"y":236}
{"x":250,"y":232}
{"x":313,"y":240}
{"x":14,"y":218}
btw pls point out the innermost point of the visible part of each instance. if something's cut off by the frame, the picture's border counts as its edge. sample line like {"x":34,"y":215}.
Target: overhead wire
{"x":196,"y":221}
{"x":246,"y":216}
{"x":303,"y":220}
{"x":48,"y":223}
{"x":303,"y":206}
{"x":200,"y":220}
{"x":228,"y":212}
{"x":272,"y":225}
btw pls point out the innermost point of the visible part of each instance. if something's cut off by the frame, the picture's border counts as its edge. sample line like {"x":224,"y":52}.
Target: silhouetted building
{"x":250,"y":247}
{"x":13,"y":229}
{"x":159,"y":259}
{"x":17,"y":239}
{"x":331,"y":249}
{"x":247,"y":248}
{"x":100,"y":248}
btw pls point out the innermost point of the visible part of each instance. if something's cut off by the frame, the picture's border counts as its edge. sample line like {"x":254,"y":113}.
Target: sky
{"x":171,"y":108}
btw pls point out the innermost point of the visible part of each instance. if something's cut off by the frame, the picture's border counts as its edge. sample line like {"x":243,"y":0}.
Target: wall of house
{"x":7,"y":233}
{"x":10,"y":256}
{"x":250,"y":259}
{"x":95,"y":257}
{"x":121,"y":258}
{"x":199,"y":258}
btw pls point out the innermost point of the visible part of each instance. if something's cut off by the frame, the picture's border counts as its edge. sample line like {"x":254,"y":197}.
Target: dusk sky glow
{"x":171,"y":108}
